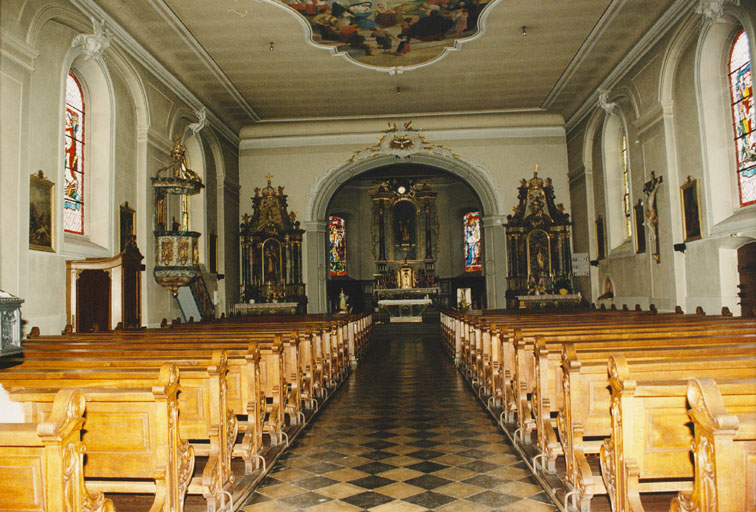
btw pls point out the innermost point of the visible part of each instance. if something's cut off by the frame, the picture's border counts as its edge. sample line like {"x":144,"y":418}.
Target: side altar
{"x":538,"y":249}
{"x":271,"y":256}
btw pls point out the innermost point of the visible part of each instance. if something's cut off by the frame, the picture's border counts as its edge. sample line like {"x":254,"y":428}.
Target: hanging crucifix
{"x":652,"y":220}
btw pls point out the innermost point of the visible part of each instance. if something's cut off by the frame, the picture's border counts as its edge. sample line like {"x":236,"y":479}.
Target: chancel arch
{"x":477,"y":179}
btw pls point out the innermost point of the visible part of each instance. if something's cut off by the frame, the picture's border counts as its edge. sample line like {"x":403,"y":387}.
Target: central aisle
{"x":404,"y":433}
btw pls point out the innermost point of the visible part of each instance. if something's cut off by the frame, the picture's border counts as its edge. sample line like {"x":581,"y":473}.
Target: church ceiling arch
{"x":403,"y":144}
{"x":390,"y":35}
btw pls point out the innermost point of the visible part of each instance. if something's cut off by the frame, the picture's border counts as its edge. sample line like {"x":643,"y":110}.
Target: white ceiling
{"x":220,"y":50}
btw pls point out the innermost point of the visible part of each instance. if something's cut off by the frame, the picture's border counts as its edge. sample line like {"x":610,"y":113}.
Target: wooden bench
{"x":204,"y":415}
{"x":724,"y":451}
{"x":43,"y":462}
{"x":649,"y":449}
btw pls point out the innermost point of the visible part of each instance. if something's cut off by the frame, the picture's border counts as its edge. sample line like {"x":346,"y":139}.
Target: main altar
{"x":271,"y":256}
{"x":539,"y":272}
{"x":405,"y":237}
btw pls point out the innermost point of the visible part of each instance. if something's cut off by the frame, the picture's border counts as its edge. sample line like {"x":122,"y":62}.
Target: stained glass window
{"x":744,"y":117}
{"x":472,"y":241}
{"x":337,"y":245}
{"x":73,"y":199}
{"x":626,"y":206}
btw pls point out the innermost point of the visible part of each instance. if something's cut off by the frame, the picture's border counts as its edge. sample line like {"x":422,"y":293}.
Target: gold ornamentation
{"x":183,"y":251}
{"x":166,"y":251}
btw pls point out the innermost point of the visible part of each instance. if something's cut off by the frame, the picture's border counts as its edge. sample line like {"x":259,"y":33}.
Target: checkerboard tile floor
{"x":405,"y":433}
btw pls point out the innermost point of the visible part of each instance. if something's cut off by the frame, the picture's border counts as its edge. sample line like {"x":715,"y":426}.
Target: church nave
{"x":405,"y":432}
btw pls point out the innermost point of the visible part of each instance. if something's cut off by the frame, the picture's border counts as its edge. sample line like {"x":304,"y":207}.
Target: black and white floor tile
{"x":404,"y":433}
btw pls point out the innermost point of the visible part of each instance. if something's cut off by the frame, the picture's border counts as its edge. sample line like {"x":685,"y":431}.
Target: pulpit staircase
{"x":195,"y":300}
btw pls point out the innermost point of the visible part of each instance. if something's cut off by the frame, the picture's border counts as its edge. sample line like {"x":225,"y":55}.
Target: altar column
{"x":315,"y":268}
{"x":495,"y":260}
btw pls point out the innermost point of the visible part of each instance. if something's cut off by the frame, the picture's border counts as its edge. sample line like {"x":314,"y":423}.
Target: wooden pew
{"x":584,"y":418}
{"x":204,"y":414}
{"x":43,"y":462}
{"x":649,"y":449}
{"x":724,"y":451}
{"x":132,"y":438}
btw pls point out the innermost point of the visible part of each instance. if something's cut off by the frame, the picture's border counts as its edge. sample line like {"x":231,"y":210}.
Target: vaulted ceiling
{"x":221,"y":50}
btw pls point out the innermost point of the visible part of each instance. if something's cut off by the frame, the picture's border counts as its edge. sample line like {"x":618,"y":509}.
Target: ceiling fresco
{"x":391,"y":34}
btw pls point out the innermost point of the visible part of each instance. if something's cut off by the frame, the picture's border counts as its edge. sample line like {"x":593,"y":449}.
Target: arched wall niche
{"x":478,"y":178}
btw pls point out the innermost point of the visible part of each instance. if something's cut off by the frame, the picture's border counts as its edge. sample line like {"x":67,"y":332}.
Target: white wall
{"x":137,"y":114}
{"x":499,"y":149}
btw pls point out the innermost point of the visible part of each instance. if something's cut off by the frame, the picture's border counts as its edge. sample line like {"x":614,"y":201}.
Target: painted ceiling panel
{"x":222,"y":52}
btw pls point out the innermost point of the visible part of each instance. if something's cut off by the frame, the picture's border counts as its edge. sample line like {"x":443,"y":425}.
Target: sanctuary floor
{"x":404,"y":433}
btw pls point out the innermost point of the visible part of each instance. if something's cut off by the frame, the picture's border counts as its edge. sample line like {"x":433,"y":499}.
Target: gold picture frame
{"x":41,"y":213}
{"x":691,"y":210}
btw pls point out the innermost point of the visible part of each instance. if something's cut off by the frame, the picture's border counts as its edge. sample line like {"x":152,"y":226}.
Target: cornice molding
{"x":370,"y":138}
{"x":18,"y":51}
{"x":585,"y":49}
{"x":191,"y":42}
{"x":663,"y":25}
{"x":141,"y":55}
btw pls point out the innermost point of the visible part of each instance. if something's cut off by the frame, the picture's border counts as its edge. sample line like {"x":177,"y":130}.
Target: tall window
{"x":626,"y":206}
{"x":73,"y":199}
{"x":472,"y":241}
{"x":337,"y":245}
{"x":744,"y":117}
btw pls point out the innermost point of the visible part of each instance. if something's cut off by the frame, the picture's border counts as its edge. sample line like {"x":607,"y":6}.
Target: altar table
{"x":405,"y":310}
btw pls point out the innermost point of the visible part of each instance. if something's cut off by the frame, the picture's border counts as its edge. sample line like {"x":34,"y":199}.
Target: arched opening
{"x":403,"y":221}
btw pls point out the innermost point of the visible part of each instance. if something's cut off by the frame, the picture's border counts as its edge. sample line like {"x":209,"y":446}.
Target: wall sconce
{"x":679,"y":247}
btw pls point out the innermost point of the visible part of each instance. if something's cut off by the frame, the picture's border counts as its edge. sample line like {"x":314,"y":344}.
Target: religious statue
{"x":271,"y":264}
{"x":342,"y":301}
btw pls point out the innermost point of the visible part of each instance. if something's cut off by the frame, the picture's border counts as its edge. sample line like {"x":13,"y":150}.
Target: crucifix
{"x":652,"y":220}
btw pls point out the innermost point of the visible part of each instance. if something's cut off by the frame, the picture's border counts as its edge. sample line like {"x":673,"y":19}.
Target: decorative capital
{"x":604,"y":103}
{"x":201,"y":114}
{"x":713,"y":10}
{"x":401,"y":143}
{"x":92,"y":45}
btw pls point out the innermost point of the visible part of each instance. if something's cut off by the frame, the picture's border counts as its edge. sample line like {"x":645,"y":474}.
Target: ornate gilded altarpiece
{"x":538,"y":242}
{"x":271,"y":251}
{"x":404,"y":234}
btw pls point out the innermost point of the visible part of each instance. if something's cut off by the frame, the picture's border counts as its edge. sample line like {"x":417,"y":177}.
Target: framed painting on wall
{"x":126,"y":224}
{"x":691,"y":210}
{"x":41,"y":213}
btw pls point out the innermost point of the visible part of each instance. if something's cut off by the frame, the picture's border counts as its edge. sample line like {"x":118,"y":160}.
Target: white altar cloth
{"x":405,"y":310}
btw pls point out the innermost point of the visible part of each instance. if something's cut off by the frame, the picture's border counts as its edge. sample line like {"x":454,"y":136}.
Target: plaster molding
{"x":585,"y":49}
{"x":650,"y":118}
{"x":712,"y":11}
{"x":660,"y":28}
{"x":476,"y":175}
{"x":203,"y":56}
{"x":391,"y":70}
{"x":604,"y":103}
{"x":367,"y":138}
{"x":197,"y":127}
{"x":93,"y":45}
{"x":18,"y":51}
{"x":141,"y":55}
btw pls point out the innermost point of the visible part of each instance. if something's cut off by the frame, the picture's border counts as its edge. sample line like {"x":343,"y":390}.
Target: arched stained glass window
{"x":472,"y":241}
{"x":73,"y":199}
{"x":744,"y":117}
{"x":337,"y":245}
{"x":626,"y":205}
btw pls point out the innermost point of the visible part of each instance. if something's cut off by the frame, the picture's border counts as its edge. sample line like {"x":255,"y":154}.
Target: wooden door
{"x":93,"y":301}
